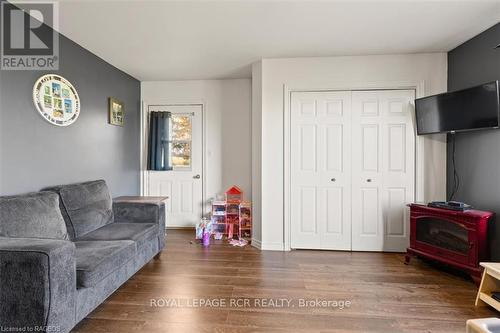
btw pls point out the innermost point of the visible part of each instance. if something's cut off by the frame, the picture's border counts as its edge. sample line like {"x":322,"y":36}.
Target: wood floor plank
{"x":386,"y":295}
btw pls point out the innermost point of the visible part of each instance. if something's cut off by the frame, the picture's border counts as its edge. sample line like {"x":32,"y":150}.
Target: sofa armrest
{"x":37,"y":284}
{"x":142,"y":212}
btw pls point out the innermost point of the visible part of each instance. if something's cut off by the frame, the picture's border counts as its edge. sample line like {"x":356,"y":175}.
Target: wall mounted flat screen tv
{"x":464,"y":110}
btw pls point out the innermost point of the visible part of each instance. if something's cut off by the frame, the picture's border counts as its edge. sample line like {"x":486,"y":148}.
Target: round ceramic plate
{"x":56,"y":100}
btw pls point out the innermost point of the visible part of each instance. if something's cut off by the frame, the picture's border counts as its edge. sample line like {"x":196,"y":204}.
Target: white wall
{"x":227,"y":123}
{"x":337,"y":73}
{"x":256,"y":151}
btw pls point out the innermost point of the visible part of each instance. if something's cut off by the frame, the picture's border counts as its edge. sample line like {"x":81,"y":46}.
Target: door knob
{"x":197,"y":177}
{"x":368,"y":180}
{"x":333,"y":179}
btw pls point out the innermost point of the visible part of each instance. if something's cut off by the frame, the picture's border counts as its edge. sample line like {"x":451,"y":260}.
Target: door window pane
{"x":180,"y":140}
{"x":181,"y":128}
{"x":181,"y":154}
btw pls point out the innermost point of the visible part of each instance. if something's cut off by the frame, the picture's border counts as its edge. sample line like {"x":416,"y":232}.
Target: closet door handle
{"x":369,"y":180}
{"x":333,"y":179}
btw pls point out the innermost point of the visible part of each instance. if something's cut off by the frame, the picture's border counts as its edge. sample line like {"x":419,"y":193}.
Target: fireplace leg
{"x":407,"y":258}
{"x":476,"y":277}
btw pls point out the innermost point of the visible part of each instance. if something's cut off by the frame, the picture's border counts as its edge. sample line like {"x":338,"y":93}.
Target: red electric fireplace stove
{"x":454,"y":238}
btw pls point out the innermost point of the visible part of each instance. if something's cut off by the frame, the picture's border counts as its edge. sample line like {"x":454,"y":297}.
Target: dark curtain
{"x":159,"y":141}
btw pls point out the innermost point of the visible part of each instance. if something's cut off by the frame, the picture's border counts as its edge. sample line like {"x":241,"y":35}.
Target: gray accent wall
{"x":35,"y":153}
{"x":477,"y":153}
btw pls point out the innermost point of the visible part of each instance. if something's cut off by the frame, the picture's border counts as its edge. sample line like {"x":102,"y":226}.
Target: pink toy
{"x":206,"y":239}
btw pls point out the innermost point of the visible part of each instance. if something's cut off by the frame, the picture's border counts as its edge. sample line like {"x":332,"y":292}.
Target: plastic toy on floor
{"x":204,"y":231}
{"x":238,"y":242}
{"x":206,"y":238}
{"x":232,"y":218}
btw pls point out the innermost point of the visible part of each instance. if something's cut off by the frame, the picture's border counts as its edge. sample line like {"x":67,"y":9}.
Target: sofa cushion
{"x":33,"y":215}
{"x":86,"y":206}
{"x":137,"y":232}
{"x":95,"y":260}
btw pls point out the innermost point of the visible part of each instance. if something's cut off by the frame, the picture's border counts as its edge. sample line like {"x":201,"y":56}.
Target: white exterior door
{"x":321,"y":170}
{"x":184,"y":184}
{"x":352,"y":169}
{"x":383,"y":174}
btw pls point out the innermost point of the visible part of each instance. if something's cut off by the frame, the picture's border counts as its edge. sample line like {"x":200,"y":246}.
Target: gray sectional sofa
{"x":65,"y":249}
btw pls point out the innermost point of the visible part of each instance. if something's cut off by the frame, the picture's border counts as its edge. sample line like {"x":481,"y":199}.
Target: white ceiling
{"x":167,"y":40}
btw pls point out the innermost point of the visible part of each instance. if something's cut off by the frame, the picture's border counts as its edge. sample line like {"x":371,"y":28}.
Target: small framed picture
{"x":116,"y":112}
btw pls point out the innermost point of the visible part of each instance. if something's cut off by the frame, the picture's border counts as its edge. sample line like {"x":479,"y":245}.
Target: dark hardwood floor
{"x":385,"y":295}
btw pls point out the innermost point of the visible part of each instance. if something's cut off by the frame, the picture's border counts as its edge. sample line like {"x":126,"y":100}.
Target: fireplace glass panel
{"x":444,"y":234}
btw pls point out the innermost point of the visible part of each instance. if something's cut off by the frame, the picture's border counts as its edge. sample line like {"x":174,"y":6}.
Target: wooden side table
{"x":490,"y":283}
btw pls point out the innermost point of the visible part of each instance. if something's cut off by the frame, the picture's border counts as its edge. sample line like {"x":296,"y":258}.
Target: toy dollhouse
{"x":233,"y":216}
{"x":234,"y":194}
{"x":233,"y":199}
{"x":219,"y":218}
{"x":245,"y":222}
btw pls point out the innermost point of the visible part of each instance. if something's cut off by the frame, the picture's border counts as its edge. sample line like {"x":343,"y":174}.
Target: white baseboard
{"x":256,"y":243}
{"x":271,"y":246}
{"x":267,"y":246}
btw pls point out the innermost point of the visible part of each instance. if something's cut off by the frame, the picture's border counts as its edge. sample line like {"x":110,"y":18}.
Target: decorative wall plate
{"x":56,"y":99}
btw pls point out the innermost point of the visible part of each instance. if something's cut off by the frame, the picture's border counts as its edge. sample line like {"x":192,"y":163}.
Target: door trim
{"x":418,"y":87}
{"x":144,"y":190}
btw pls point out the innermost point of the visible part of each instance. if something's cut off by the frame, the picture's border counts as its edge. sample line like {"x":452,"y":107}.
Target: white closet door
{"x":321,"y":170}
{"x":383,"y":169}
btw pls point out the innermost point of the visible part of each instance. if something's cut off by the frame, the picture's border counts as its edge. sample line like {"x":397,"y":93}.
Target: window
{"x":180,"y":141}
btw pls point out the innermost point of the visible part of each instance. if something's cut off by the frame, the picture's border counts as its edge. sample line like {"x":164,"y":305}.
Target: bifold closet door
{"x":320,"y":170}
{"x":383,"y":169}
